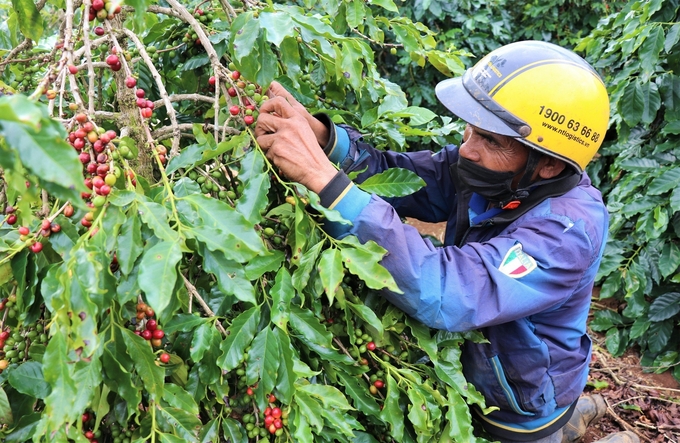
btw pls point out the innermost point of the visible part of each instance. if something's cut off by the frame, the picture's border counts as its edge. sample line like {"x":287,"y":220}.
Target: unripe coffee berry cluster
{"x":14,"y":346}
{"x":47,"y":227}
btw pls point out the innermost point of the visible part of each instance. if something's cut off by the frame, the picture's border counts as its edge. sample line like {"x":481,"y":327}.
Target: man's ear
{"x":550,"y":167}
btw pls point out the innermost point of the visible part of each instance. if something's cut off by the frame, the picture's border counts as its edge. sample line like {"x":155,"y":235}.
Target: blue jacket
{"x":522,"y":277}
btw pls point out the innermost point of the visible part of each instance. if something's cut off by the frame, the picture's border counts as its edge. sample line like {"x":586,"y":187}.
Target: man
{"x":525,"y":228}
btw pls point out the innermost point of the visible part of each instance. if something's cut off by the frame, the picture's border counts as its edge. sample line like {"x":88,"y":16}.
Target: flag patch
{"x":517,"y":263}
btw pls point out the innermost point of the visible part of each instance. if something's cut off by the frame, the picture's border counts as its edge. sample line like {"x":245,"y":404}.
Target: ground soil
{"x":638,"y":400}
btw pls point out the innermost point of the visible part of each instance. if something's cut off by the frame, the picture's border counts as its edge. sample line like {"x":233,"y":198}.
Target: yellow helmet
{"x":545,"y":96}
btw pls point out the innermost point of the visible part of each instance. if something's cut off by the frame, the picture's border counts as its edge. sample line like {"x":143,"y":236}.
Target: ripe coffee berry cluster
{"x":248,"y":95}
{"x":101,"y":10}
{"x":114,"y":62}
{"x":146,"y":106}
{"x":11,"y":217}
{"x":95,"y":146}
{"x":47,"y":227}
{"x":274,"y":417}
{"x":148,"y":327}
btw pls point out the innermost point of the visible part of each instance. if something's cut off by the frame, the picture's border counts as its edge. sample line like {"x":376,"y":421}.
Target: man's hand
{"x":320,"y":130}
{"x":290,"y":143}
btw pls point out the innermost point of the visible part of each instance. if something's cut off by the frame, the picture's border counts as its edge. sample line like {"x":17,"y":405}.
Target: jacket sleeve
{"x":432,"y":203}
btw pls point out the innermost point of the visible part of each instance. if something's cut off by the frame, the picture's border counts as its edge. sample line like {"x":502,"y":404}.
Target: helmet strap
{"x":530,"y":168}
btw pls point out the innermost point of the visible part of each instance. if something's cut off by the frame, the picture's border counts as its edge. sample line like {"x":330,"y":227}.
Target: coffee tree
{"x":159,"y":279}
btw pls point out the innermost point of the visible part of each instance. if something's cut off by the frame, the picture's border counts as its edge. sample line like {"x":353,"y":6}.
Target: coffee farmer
{"x":525,"y":227}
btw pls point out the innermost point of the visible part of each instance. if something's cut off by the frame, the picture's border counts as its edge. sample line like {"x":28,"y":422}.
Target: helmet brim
{"x":452,"y":94}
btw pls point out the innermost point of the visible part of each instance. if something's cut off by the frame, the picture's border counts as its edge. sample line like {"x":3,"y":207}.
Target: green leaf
{"x":180,"y":399}
{"x":391,"y":412}
{"x":669,"y":261}
{"x":282,"y":294}
{"x":262,"y":264}
{"x":386,"y":4}
{"x":201,"y":341}
{"x":616,"y":341}
{"x":367,"y":315}
{"x":155,"y":217}
{"x":5,"y":408}
{"x":285,"y":382}
{"x":652,"y":102}
{"x":139,"y":7}
{"x":253,"y":201}
{"x":239,"y":335}
{"x":278,"y":26}
{"x":357,"y":389}
{"x":632,"y":104}
{"x":331,"y":272}
{"x":24,"y":429}
{"x":665,"y":306}
{"x":363,"y":261}
{"x":129,"y":243}
{"x":668,"y":180}
{"x":120,"y":380}
{"x":330,"y":396}
{"x":158,"y":274}
{"x":145,"y":363}
{"x":28,"y":379}
{"x":185,"y":424}
{"x":57,"y":373}
{"x":393,"y":182}
{"x":237,"y":237}
{"x":650,"y":49}
{"x":263,"y":361}
{"x":46,"y":155}
{"x":350,"y":65}
{"x":658,"y":335}
{"x":344,"y":423}
{"x":245,"y":30}
{"x":314,"y":335}
{"x":306,"y":266}
{"x":309,"y":408}
{"x":234,"y":431}
{"x":183,"y":323}
{"x":170,"y":438}
{"x":458,"y":417}
{"x":355,"y":14}
{"x":604,"y":320}
{"x":210,"y":432}
{"x":30,"y":22}
{"x":231,"y":276}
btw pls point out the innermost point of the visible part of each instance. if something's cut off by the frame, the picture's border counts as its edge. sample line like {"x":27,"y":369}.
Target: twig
{"x":88,"y":57}
{"x":194,"y":293}
{"x":161,"y":133}
{"x":212,"y":55}
{"x":181,"y":97}
{"x":20,"y":47}
{"x":623,"y":423}
{"x":161,"y":88}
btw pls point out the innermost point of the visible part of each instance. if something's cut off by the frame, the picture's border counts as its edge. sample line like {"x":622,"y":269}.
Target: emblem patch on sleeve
{"x":517,"y":263}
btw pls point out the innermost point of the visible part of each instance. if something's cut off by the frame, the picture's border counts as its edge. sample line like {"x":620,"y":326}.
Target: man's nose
{"x":469,"y":149}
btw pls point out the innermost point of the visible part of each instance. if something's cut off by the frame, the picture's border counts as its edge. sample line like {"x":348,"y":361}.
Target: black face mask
{"x":494,"y":186}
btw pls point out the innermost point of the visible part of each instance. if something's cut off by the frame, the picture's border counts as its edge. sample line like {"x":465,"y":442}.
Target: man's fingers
{"x":266,"y":140}
{"x":267,"y":124}
{"x":278,"y":105}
